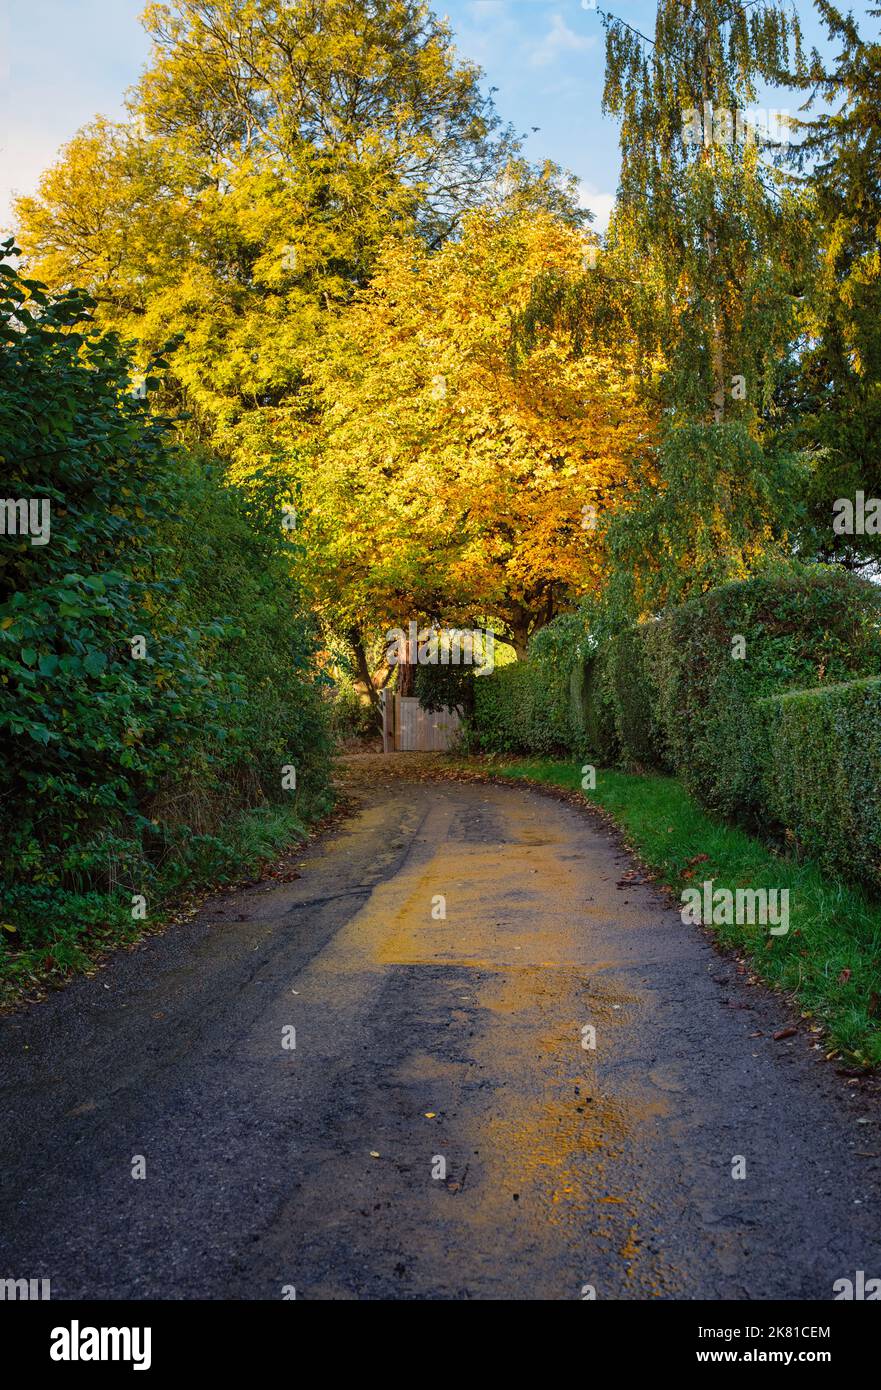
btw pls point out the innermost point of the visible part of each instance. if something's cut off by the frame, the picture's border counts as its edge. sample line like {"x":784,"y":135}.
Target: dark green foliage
{"x":801,"y":627}
{"x":725,"y":500}
{"x":440,"y":686}
{"x":634,"y":696}
{"x":599,"y":712}
{"x":504,"y":708}
{"x":118,"y":773}
{"x":834,"y":398}
{"x":674,"y":694}
{"x":681,"y":699}
{"x":821,"y":774}
{"x":537,"y":703}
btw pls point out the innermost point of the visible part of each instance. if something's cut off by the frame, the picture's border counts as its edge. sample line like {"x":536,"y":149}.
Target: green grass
{"x":85,"y":926}
{"x":830,"y":960}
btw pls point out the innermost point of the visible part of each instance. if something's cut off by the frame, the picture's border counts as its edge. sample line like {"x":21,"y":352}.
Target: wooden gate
{"x":408,"y":728}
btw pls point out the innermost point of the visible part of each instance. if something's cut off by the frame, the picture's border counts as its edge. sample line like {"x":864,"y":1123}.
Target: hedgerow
{"x":701,"y":691}
{"x":821,"y":774}
{"x":154,"y":661}
{"x":535,"y":704}
{"x":712,"y":658}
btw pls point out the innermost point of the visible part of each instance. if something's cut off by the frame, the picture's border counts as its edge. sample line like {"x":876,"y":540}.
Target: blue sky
{"x":64,"y":61}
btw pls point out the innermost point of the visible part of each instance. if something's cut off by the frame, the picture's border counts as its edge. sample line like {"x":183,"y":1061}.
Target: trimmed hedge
{"x":821,"y":774}
{"x":599,"y":716}
{"x":684,"y":700}
{"x":539,"y":704}
{"x":517,"y":708}
{"x":684,"y":694}
{"x":634,"y":696}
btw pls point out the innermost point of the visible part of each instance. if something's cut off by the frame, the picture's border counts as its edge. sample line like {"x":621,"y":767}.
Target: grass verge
{"x":830,"y":960}
{"x":45,"y":954}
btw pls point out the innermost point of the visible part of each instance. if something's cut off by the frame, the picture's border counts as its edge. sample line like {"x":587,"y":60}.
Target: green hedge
{"x":516,"y":708}
{"x":634,"y":696}
{"x":684,"y":694}
{"x":683,"y":699}
{"x":155,"y":655}
{"x":538,"y":704}
{"x":599,"y":713}
{"x":803,"y":627}
{"x":821,"y":774}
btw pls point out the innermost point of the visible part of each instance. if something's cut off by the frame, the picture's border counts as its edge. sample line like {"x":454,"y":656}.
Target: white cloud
{"x":600,"y":204}
{"x":559,"y":39}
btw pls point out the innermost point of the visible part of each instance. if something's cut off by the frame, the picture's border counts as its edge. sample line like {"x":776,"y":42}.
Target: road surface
{"x":439,"y":1130}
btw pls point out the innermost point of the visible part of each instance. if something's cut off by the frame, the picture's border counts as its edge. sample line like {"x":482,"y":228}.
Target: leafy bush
{"x":352,"y":716}
{"x":634,"y":695}
{"x":535,"y":704}
{"x":126,"y":767}
{"x":440,"y":686}
{"x":683,"y":693}
{"x":599,"y":707}
{"x":504,"y":704}
{"x":680,"y":692}
{"x":821,"y":774}
{"x":800,"y":627}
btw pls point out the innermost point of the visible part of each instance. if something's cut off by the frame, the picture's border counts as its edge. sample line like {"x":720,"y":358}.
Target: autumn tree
{"x":450,"y":483}
{"x":269,"y":151}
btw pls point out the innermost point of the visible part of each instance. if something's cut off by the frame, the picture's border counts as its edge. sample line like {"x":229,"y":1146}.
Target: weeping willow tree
{"x":836,"y":395}
{"x":708,"y":228}
{"x":704,"y":263}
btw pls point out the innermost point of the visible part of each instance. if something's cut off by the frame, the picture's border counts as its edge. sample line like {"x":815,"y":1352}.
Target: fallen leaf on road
{"x":788,"y":1032}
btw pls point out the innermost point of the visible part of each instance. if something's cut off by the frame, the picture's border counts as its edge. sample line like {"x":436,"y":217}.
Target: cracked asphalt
{"x":439,"y":1131}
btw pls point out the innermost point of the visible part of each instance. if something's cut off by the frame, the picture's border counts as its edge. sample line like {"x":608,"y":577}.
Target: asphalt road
{"x":421,"y":1039}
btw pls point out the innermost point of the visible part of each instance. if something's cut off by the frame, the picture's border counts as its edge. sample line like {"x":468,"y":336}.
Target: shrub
{"x":634,"y":697}
{"x":440,"y":686}
{"x":535,"y":704}
{"x":504,"y":705}
{"x":803,"y":626}
{"x":599,"y":713}
{"x":126,"y":767}
{"x":821,"y":774}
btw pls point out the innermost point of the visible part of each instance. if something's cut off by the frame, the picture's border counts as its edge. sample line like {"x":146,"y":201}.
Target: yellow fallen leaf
{"x":430,"y":1114}
{"x":373,"y":1153}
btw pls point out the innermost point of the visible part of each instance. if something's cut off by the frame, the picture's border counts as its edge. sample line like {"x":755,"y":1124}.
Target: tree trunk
{"x":357,"y":644}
